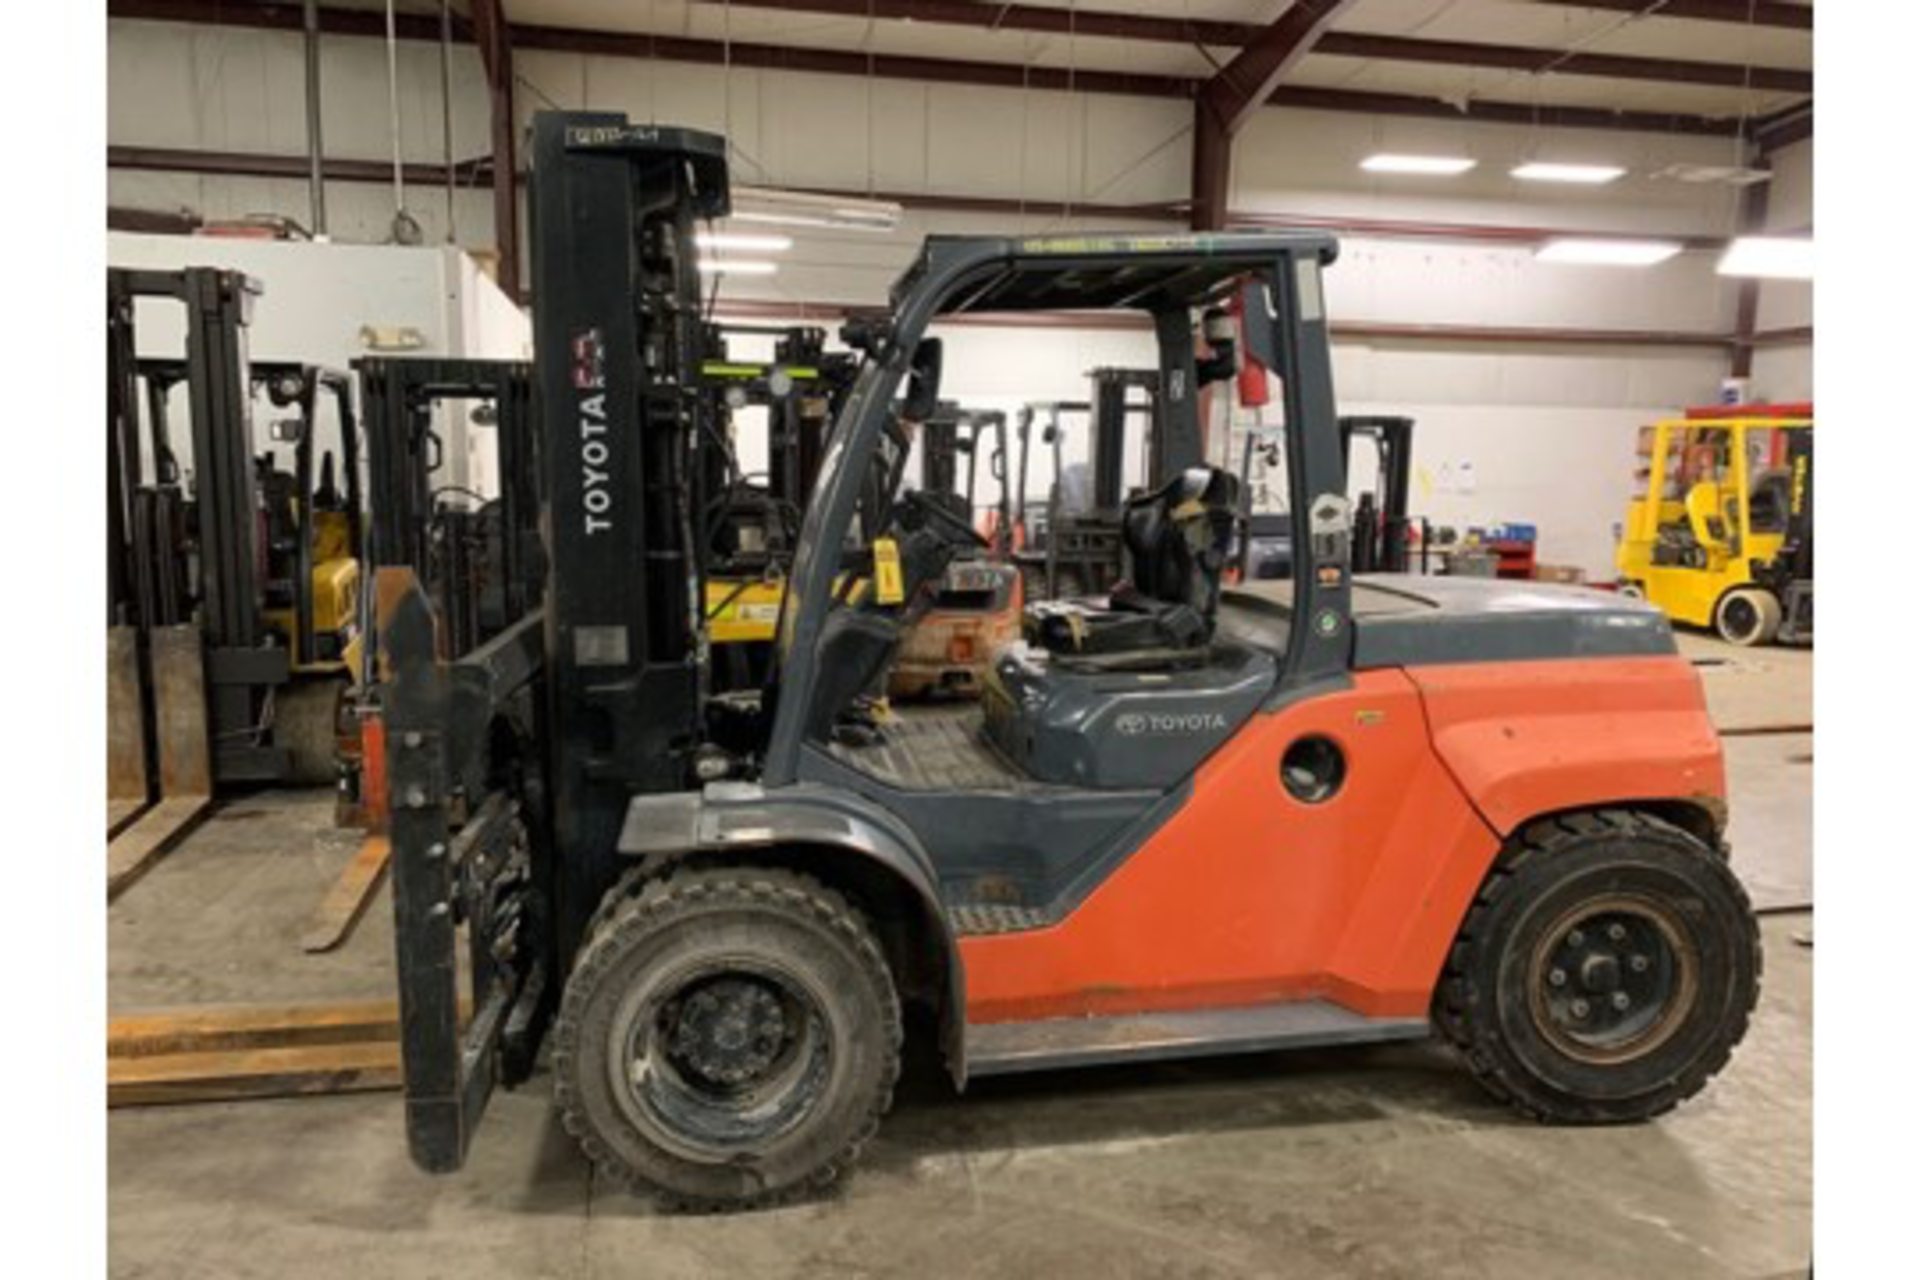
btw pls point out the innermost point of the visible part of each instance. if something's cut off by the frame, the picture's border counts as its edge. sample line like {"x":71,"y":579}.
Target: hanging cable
{"x":405,"y":229}
{"x":446,"y":107}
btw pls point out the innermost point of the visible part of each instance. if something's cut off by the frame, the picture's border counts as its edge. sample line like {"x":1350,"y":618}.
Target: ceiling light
{"x":1587,"y":174}
{"x":807,"y":209}
{"x":1732,"y":175}
{"x":734,"y":267}
{"x":1769,"y":258}
{"x":1436,"y":166}
{"x":1607,"y":253}
{"x":738,"y":240}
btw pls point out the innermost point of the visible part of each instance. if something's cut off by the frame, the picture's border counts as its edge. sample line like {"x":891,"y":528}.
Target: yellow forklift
{"x":1721,"y":534}
{"x":749,"y":523}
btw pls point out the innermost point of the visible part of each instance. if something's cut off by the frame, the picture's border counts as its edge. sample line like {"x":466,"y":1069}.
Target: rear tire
{"x":729,"y":1038}
{"x":1605,"y":972}
{"x":1748,"y":616}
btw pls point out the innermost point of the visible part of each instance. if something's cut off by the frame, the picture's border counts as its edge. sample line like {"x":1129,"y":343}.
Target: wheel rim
{"x":1739,"y":617}
{"x":720,"y":1058}
{"x":1613,"y":979}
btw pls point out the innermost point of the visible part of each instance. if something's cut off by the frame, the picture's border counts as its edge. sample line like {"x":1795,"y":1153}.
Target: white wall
{"x":1785,"y":373}
{"x":1548,"y":428}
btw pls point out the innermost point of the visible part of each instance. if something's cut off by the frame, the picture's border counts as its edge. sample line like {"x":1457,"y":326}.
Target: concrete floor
{"x":1363,"y":1163}
{"x":1383,"y":1162}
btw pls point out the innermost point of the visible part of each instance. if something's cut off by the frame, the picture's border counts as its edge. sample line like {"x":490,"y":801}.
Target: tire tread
{"x":642,"y":902}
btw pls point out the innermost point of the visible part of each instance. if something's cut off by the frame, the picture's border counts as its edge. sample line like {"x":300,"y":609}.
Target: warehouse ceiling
{"x":1433,"y":49}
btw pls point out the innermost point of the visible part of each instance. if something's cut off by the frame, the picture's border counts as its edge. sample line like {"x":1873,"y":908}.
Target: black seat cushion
{"x":1177,"y":540}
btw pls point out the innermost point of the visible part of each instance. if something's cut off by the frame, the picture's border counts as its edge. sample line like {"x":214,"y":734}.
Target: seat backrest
{"x":1178,"y":538}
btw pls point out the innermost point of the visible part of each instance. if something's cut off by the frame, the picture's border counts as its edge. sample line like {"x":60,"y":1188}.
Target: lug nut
{"x":1617,"y":932}
{"x":1639,"y":964}
{"x":1577,"y":939}
{"x":1620,"y":1001}
{"x":1558,"y":977}
{"x":1580,"y":1008}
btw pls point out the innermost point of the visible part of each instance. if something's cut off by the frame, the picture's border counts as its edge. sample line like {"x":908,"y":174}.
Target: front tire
{"x":730,"y":1037}
{"x":1605,"y":972}
{"x":1748,"y":616}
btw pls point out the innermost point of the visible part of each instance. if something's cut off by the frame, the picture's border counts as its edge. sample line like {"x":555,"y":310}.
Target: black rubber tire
{"x":1484,"y":1003}
{"x":770,"y":916}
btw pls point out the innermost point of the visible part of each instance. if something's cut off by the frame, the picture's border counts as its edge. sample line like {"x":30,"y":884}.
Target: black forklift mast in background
{"x":481,"y":566}
{"x":1380,"y":521}
{"x":242,"y":666}
{"x":748,"y":523}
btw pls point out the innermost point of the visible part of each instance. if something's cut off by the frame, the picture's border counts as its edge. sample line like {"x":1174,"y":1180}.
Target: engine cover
{"x":1119,"y":729}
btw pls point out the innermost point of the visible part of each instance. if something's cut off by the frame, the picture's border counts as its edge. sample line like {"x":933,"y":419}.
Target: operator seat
{"x":1177,"y":539}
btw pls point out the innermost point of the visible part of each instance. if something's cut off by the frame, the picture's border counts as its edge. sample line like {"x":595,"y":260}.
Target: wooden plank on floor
{"x":252,"y":1073}
{"x":217,"y":1029}
{"x":347,"y":900}
{"x":127,"y":781}
{"x":133,"y":852}
{"x":122,"y":812}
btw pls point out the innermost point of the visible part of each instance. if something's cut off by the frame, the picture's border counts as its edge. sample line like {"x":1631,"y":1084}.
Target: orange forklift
{"x":977,"y":606}
{"x":1334,"y":814}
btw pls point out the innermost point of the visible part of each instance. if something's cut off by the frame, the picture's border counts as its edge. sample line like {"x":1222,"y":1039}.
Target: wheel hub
{"x":729,"y":1031}
{"x":1613,"y":979}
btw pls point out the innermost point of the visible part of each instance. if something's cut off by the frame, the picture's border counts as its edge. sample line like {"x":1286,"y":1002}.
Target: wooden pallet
{"x":186,"y":767}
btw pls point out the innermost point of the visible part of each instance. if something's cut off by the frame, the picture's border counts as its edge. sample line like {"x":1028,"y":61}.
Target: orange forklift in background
{"x":1317,"y":811}
{"x":976,"y":607}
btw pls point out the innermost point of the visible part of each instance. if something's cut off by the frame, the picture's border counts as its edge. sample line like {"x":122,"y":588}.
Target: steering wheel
{"x":944,"y":520}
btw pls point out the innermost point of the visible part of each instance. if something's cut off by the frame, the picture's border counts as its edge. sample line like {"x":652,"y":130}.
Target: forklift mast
{"x":1381,"y":520}
{"x":618,"y":344}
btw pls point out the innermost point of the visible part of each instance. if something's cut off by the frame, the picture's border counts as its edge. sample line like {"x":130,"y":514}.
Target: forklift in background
{"x":1721,"y":536}
{"x":749,"y":524}
{"x":479,"y":560}
{"x":1039,"y":574}
{"x":976,"y":607}
{"x":1384,"y":534}
{"x":1301,"y":823}
{"x":264,"y":560}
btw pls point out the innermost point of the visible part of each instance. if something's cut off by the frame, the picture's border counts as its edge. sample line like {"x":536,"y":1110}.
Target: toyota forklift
{"x":1337,"y":815}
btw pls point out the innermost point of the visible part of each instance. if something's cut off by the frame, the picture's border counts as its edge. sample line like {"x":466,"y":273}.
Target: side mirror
{"x":923,"y":383}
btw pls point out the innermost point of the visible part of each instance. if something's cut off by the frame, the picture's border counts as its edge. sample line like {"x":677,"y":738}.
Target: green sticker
{"x":1328,"y":622}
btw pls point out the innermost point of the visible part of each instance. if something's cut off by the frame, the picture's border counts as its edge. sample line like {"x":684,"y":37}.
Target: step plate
{"x":1001,"y":1048}
{"x":972,"y":919}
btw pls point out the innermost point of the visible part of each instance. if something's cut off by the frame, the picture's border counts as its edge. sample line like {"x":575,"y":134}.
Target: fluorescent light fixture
{"x":746,"y":243}
{"x":1607,"y":253}
{"x":809,"y":209}
{"x":1732,"y":175}
{"x":1433,"y":166}
{"x":1769,"y":258}
{"x":734,"y":267}
{"x":1591,"y":175}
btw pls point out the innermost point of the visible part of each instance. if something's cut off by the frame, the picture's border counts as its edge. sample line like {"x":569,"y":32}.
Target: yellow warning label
{"x":889,"y":587}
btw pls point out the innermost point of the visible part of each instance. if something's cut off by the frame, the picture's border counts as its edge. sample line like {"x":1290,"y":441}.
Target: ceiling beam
{"x":478,"y":173}
{"x":1345,"y":44}
{"x":1227,"y":101}
{"x":1739,"y":13}
{"x":1783,"y":128}
{"x":1538,"y":61}
{"x":285,"y":17}
{"x":495,"y":38}
{"x":1243,"y":86}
